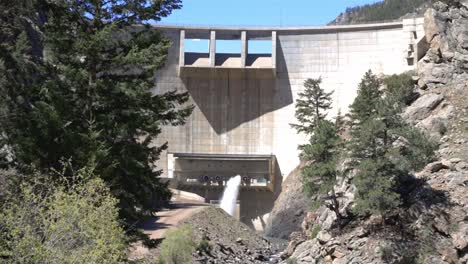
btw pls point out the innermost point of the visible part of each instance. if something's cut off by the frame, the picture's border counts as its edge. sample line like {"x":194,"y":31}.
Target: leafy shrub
{"x":204,"y":245}
{"x":178,"y":246}
{"x":400,"y":87}
{"x":47,"y":222}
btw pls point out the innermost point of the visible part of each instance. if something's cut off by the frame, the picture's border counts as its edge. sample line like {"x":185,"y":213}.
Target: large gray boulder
{"x":433,"y":25}
{"x":422,"y":107}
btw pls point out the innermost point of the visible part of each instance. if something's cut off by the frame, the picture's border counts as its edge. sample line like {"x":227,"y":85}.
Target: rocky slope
{"x":289,"y":209}
{"x":231,"y":241}
{"x":433,"y":226}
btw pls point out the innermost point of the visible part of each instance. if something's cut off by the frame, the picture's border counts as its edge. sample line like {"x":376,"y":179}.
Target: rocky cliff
{"x":289,"y":209}
{"x":433,"y":226}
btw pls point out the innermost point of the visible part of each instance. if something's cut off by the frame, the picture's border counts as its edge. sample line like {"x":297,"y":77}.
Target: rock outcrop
{"x":290,"y":208}
{"x":433,"y":226}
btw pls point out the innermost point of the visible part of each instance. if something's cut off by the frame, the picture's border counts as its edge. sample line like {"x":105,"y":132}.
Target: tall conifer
{"x":319,"y":177}
{"x":95,"y":105}
{"x":312,"y":105}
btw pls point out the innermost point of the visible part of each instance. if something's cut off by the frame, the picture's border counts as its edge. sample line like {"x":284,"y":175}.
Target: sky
{"x":260,"y":12}
{"x":281,"y":13}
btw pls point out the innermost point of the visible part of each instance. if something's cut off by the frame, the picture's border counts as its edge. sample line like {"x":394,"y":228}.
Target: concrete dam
{"x":245,"y":101}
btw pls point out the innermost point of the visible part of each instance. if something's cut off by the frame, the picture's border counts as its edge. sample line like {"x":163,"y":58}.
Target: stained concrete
{"x":249,"y":110}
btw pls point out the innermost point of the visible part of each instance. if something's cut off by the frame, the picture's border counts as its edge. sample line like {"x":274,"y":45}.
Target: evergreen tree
{"x":382,"y":164}
{"x":319,"y":177}
{"x":340,"y":122}
{"x":311,"y":106}
{"x":95,"y":106}
{"x":365,"y":103}
{"x":21,"y":67}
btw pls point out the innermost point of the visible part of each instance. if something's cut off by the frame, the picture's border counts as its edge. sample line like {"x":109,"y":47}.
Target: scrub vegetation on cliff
{"x":381,"y":11}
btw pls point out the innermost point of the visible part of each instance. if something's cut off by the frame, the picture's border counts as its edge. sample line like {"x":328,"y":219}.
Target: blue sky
{"x":260,"y":12}
{"x":255,"y":13}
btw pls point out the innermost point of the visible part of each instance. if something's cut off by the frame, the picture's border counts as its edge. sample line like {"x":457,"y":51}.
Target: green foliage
{"x":319,"y":177}
{"x":291,"y":260}
{"x":311,"y":106}
{"x":365,"y":104}
{"x":381,"y":11}
{"x":61,"y":222}
{"x":384,"y":149}
{"x":400,"y":88}
{"x":178,"y":246}
{"x":204,"y":245}
{"x":90,"y":101}
{"x":313,"y":232}
{"x":375,"y":184}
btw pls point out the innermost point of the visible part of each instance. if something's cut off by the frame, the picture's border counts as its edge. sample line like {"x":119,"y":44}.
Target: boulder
{"x":435,"y":167}
{"x":323,"y":237}
{"x":422,"y":107}
{"x":433,"y":73}
{"x":433,"y":26}
{"x":434,"y":126}
{"x":295,"y":240}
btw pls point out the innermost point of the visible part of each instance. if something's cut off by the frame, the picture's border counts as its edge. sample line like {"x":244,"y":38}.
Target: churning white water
{"x":229,"y":200}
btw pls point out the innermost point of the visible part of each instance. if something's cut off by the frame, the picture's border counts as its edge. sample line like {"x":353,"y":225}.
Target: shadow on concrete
{"x":252,"y":58}
{"x":222,"y":58}
{"x":229,"y":98}
{"x":255,"y":205}
{"x":192,"y":57}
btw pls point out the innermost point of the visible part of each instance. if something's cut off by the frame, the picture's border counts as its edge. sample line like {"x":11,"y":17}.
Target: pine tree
{"x":340,"y":122}
{"x":381,"y":165}
{"x":365,"y":103}
{"x":95,"y":105}
{"x":311,"y":106}
{"x":21,"y":67}
{"x":318,"y":178}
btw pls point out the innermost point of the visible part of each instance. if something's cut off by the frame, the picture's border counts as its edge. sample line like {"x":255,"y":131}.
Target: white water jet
{"x":229,"y":200}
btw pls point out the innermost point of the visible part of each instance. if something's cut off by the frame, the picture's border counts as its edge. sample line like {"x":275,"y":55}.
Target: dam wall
{"x":244,"y":103}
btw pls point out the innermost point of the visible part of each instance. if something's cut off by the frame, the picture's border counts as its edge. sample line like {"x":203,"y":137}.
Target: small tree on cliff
{"x":319,"y":177}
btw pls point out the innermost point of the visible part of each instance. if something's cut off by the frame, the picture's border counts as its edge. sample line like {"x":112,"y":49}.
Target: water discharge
{"x":229,"y":200}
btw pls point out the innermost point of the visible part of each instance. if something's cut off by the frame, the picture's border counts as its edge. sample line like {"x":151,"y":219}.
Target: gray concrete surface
{"x":248,"y":109}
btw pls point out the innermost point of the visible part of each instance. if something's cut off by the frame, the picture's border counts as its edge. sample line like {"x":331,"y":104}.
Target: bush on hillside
{"x":47,"y":222}
{"x":178,"y":246}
